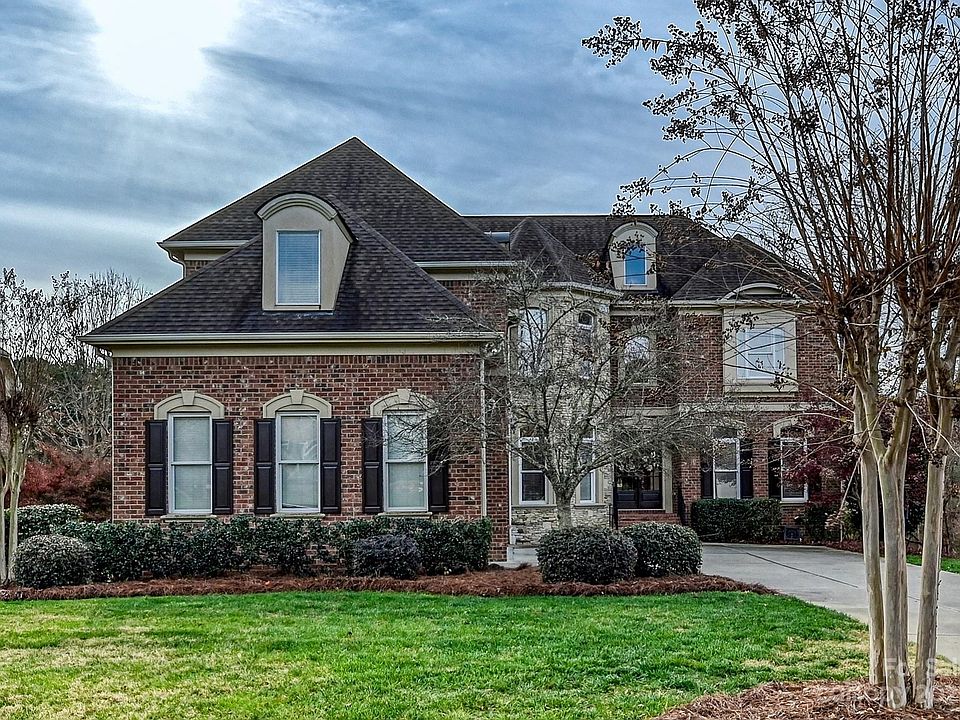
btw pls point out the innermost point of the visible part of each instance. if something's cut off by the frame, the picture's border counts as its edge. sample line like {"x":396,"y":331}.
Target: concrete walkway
{"x":833,"y":579}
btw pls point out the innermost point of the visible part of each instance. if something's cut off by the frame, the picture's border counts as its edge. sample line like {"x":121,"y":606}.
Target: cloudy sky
{"x":121,"y":122}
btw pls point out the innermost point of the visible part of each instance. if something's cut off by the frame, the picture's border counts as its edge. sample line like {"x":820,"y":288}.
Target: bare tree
{"x":54,"y":388}
{"x":829,"y":130}
{"x":571,"y":390}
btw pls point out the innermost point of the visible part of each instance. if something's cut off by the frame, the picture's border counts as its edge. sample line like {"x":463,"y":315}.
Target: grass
{"x":369,"y":655}
{"x":948,"y":564}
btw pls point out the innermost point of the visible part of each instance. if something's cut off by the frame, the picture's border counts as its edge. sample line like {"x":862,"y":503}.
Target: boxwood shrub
{"x":757,"y":520}
{"x":47,"y":560}
{"x":665,"y":549}
{"x":393,"y":556}
{"x":593,"y":555}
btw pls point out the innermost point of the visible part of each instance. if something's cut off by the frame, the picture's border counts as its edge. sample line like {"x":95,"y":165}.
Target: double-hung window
{"x":586,"y":338}
{"x":405,"y":461}
{"x":298,"y":462}
{"x":726,"y":467}
{"x":191,"y":464}
{"x":587,"y":490}
{"x":792,"y":489}
{"x":298,"y":267}
{"x":635,"y":359}
{"x":533,"y":482}
{"x":761,"y":353}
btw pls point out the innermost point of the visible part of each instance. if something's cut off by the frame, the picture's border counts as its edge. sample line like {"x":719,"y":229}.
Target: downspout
{"x":483,"y":437}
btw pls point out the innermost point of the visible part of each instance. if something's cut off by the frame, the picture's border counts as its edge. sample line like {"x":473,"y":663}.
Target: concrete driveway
{"x":833,"y":579}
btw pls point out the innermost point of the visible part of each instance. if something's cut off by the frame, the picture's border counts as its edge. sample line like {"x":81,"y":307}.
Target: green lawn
{"x":369,"y":655}
{"x":948,"y":564}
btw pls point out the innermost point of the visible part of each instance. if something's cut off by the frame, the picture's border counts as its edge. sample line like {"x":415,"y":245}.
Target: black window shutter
{"x":746,"y":468}
{"x":373,"y":465}
{"x":773,"y":468}
{"x":156,"y":463}
{"x":222,"y":467}
{"x":706,"y":474}
{"x":438,"y":471}
{"x":264,"y":461}
{"x":330,"y":465}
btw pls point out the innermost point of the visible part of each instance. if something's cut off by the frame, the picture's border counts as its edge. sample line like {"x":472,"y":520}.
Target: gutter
{"x":286,"y":338}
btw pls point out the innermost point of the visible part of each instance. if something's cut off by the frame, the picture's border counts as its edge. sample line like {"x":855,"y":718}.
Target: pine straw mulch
{"x":489,"y":583}
{"x":854,"y":700}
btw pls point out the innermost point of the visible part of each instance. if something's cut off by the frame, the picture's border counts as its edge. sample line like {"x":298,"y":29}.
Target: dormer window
{"x":632,"y":254}
{"x":300,"y":274}
{"x":298,"y":267}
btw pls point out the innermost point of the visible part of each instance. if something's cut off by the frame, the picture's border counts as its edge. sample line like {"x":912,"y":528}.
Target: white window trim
{"x":546,"y":485}
{"x":802,"y":443}
{"x":591,"y":478}
{"x":735,"y":441}
{"x":387,"y":462}
{"x":531,"y":357}
{"x":784,"y":379}
{"x":172,"y":464}
{"x":279,"y":462}
{"x":618,"y":255}
{"x":276,"y":269}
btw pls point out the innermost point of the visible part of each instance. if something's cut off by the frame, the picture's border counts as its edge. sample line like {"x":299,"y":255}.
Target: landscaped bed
{"x":390,"y":655}
{"x":851,"y":700}
{"x":490,"y":583}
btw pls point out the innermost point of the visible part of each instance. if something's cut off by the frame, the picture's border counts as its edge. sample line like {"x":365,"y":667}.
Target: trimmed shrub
{"x":813,"y":519}
{"x":446,"y":546}
{"x":665,"y":549}
{"x":284,"y":544}
{"x":45,"y":519}
{"x":120,"y":551}
{"x":393,"y":556}
{"x":586,"y":554}
{"x":47,"y":560}
{"x":756,"y":520}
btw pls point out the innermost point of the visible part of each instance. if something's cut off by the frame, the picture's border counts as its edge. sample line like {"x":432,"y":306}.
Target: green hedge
{"x":665,"y":549}
{"x":592,"y":555}
{"x":757,"y":520}
{"x":47,"y":560}
{"x":132,"y":550}
{"x":45,"y":519}
{"x":393,"y":556}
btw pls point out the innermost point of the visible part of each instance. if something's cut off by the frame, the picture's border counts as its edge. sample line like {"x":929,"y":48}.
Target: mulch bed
{"x":490,"y":583}
{"x":855,"y":700}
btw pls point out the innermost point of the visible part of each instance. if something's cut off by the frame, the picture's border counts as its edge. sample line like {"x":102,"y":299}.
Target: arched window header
{"x":633,"y":248}
{"x":297,"y":401}
{"x":400,"y":400}
{"x":188,"y":401}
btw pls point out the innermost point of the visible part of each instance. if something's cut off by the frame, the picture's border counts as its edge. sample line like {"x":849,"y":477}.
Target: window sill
{"x":760,"y":387}
{"x":185,"y":517}
{"x":406,"y":513}
{"x":290,"y":515}
{"x":794,"y":501}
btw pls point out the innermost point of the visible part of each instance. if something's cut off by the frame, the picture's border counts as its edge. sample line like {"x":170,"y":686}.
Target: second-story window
{"x":531,"y":340}
{"x":761,"y":352}
{"x":298,"y":267}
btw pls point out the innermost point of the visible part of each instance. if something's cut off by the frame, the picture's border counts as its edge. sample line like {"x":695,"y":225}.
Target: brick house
{"x":273,"y":378}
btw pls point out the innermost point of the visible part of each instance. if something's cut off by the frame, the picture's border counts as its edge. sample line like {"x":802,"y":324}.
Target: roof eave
{"x":179,"y":339}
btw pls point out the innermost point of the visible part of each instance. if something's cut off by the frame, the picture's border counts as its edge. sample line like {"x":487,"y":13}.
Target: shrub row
{"x":130,"y":550}
{"x":599,"y":556}
{"x":756,"y":520}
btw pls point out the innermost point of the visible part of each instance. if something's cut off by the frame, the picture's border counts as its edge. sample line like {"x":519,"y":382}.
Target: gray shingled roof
{"x":532,"y":242}
{"x":381,"y":291}
{"x":683,"y":246}
{"x":420,"y":225}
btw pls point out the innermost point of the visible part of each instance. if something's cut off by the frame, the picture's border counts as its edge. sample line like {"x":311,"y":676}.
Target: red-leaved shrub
{"x":63,"y":476}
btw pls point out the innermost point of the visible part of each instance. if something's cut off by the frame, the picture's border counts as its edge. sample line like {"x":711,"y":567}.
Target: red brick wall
{"x":243,"y":384}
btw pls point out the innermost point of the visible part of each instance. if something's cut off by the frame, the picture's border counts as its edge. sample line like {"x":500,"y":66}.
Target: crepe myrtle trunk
{"x":563,"y":490}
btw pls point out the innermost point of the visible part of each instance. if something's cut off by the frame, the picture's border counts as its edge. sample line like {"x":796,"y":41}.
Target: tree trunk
{"x":870,"y":510}
{"x":4,"y":567}
{"x":564,"y":513}
{"x":925,"y":672}
{"x":896,"y":673}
